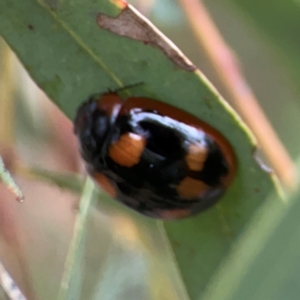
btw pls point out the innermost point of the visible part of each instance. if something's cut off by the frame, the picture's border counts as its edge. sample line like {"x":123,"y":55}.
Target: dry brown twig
{"x":226,"y":65}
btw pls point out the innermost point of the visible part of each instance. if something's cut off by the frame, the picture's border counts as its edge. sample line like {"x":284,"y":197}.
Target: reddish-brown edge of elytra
{"x":105,"y":184}
{"x":184,"y":117}
{"x":127,"y":150}
{"x":110,"y":103}
{"x":174,"y":214}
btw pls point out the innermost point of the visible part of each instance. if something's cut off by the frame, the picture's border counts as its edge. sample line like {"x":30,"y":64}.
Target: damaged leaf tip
{"x":130,"y":23}
{"x":120,"y":3}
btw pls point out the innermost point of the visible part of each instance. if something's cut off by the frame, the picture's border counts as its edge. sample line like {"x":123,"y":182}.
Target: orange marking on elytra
{"x":191,"y":188}
{"x":105,"y":184}
{"x":196,"y":157}
{"x":127,"y":150}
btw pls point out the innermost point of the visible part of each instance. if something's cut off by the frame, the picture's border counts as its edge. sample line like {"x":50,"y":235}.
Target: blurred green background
{"x":35,"y":235}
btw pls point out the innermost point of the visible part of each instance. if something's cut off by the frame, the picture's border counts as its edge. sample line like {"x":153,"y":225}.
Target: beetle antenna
{"x":96,"y":96}
{"x":130,"y":86}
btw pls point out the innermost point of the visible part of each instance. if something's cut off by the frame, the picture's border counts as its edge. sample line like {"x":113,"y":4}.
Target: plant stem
{"x":85,"y":203}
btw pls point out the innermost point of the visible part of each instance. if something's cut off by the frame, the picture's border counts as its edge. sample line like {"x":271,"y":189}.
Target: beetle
{"x":153,"y":157}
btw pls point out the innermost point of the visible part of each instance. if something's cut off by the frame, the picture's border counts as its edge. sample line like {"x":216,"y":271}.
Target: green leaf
{"x":70,"y":57}
{"x":265,"y":262}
